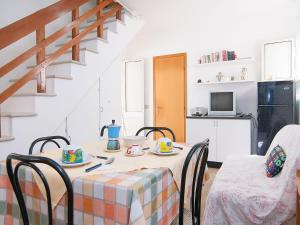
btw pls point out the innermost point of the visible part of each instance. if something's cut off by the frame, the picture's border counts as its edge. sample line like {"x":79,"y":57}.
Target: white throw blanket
{"x":243,"y":194}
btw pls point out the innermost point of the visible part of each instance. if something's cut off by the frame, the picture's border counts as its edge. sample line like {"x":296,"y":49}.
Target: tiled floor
{"x":187,"y":216}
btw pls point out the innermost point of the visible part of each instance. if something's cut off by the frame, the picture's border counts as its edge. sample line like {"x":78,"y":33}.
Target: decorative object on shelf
{"x":231,"y":55}
{"x":232,"y":78}
{"x":224,"y":55}
{"x":214,"y":57}
{"x":217,"y":55}
{"x":199,"y":81}
{"x":239,"y":61}
{"x":227,"y":78}
{"x":220,"y":76}
{"x":244,"y":74}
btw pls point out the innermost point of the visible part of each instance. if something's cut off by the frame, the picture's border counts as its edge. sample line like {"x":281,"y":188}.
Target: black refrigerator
{"x":276,"y":108}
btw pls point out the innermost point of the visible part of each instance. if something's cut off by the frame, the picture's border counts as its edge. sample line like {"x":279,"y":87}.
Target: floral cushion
{"x":275,"y":161}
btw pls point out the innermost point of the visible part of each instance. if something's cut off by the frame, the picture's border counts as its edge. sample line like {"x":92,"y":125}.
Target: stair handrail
{"x":37,"y":22}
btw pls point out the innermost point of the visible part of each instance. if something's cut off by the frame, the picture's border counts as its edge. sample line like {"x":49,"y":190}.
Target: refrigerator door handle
{"x":274,"y":105}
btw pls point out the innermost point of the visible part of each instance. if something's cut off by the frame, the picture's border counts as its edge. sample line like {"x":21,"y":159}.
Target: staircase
{"x":35,"y":104}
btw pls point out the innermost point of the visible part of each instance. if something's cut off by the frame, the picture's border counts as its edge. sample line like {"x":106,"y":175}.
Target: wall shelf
{"x":227,"y":82}
{"x":247,"y":60}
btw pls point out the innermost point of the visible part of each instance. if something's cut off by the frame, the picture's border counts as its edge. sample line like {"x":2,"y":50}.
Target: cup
{"x":134,"y":150}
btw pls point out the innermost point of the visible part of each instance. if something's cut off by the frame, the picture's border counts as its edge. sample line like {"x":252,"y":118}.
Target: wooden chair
{"x":29,"y":161}
{"x":200,"y":151}
{"x":157,"y":129}
{"x":52,"y":139}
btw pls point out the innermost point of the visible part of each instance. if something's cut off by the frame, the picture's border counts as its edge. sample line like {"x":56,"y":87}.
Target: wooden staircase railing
{"x":36,"y":23}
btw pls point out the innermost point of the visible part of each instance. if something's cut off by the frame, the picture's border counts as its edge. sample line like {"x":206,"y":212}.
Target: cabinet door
{"x":198,"y":130}
{"x":234,"y":138}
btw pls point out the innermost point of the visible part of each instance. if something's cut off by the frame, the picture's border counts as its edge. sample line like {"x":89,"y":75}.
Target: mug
{"x":134,"y":150}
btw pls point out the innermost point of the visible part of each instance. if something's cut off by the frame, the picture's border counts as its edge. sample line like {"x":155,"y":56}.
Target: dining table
{"x":132,"y":190}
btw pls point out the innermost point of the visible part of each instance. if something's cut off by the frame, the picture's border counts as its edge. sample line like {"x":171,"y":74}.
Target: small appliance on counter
{"x":113,"y":136}
{"x":199,"y":111}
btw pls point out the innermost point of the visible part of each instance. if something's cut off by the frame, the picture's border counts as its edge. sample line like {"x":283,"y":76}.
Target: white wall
{"x":98,"y":107}
{"x":200,"y":27}
{"x":11,"y":11}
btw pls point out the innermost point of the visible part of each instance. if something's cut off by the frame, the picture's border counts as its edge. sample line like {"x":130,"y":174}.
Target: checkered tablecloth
{"x":148,"y":196}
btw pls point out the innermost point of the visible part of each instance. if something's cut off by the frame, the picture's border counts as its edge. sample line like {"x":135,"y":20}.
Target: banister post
{"x":75,"y":32}
{"x":100,"y":27}
{"x":40,"y":57}
{"x":119,"y":13}
{"x":0,"y":122}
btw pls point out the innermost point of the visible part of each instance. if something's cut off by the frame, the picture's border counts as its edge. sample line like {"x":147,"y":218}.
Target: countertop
{"x":221,"y":117}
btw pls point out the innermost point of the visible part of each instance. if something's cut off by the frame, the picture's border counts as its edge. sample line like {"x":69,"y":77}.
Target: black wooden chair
{"x":199,"y":150}
{"x":156,"y":129}
{"x":29,"y":161}
{"x":45,"y":140}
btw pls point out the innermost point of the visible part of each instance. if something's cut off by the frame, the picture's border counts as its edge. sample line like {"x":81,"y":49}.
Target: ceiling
{"x":159,"y":9}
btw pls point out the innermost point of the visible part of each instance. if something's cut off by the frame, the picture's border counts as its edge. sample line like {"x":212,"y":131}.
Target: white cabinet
{"x":198,"y":130}
{"x":226,"y":136}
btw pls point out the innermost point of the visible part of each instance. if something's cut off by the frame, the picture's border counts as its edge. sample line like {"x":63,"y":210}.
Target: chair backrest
{"x":45,"y":140}
{"x":157,"y":129}
{"x":199,"y":152}
{"x":29,"y":161}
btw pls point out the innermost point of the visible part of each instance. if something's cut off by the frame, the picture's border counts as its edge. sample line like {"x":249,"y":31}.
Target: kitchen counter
{"x":221,"y":117}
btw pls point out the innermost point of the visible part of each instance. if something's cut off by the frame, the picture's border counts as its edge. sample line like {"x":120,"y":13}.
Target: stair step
{"x":17,"y":114}
{"x":81,"y":49}
{"x":88,"y":39}
{"x":34,"y":95}
{"x":6,"y":138}
{"x":95,"y":38}
{"x":63,"y":77}
{"x":109,"y":20}
{"x":62,"y":62}
{"x":93,"y":31}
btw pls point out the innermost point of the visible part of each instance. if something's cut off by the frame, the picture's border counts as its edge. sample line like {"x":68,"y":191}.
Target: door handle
{"x":157,"y":109}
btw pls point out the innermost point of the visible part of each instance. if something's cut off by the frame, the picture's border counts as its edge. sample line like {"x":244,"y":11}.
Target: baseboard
{"x":214,"y":164}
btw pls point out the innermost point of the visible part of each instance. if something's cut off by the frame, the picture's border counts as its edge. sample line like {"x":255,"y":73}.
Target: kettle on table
{"x":113,"y":135}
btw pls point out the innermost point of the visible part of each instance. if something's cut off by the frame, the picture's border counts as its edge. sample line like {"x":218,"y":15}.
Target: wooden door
{"x":169,"y":83}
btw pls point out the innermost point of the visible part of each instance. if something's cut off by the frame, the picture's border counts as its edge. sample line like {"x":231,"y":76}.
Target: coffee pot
{"x":113,"y":135}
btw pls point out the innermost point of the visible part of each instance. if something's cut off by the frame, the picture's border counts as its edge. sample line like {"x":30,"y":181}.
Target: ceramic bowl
{"x":134,"y":140}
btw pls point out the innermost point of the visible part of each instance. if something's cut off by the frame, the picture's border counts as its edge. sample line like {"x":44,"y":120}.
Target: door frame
{"x":184,"y":54}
